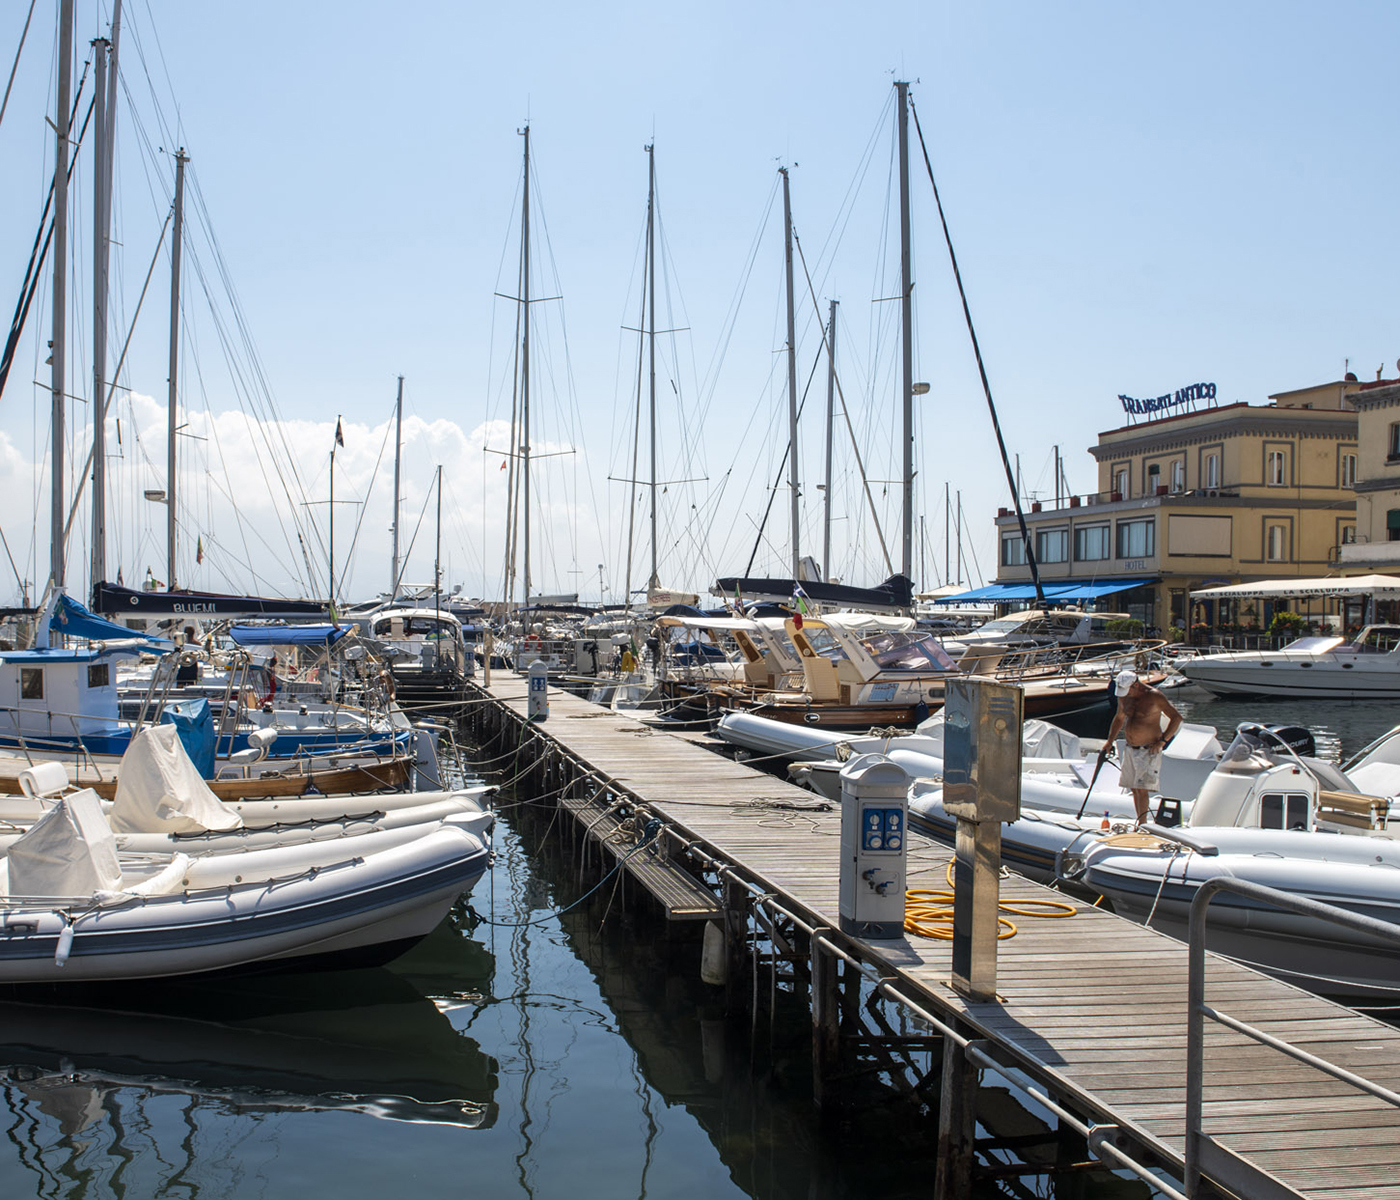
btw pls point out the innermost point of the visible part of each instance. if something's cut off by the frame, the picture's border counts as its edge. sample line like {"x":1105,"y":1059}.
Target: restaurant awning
{"x":1060,"y":590}
{"x":1385,"y":586}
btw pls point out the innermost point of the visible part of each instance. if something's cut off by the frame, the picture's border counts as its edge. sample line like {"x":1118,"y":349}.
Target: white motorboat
{"x":1366,"y":667}
{"x":1288,"y":822}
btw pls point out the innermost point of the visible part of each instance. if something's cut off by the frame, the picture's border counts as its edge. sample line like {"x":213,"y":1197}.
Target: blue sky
{"x":1141,"y":198}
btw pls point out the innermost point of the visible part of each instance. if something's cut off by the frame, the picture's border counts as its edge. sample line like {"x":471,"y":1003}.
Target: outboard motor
{"x":1276,"y":737}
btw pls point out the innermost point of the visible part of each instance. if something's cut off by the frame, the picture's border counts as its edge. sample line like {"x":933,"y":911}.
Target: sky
{"x":1140,"y":198}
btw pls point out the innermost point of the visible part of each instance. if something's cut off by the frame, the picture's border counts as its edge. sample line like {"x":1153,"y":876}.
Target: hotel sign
{"x":1155,"y":404}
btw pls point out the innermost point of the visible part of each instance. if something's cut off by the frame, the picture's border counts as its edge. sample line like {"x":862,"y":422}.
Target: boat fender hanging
{"x":65,"y":944}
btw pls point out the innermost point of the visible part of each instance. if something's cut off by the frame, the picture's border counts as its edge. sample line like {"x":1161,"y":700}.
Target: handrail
{"x":1197,"y":1009}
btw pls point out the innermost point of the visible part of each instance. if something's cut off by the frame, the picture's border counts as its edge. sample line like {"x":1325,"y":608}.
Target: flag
{"x":339,"y":437}
{"x":198,"y":550}
{"x":503,"y":464}
{"x":799,"y":604}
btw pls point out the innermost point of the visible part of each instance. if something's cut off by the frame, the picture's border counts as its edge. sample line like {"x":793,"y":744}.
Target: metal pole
{"x":792,"y":370}
{"x":651,"y":336}
{"x":437,"y":552}
{"x":830,"y":422}
{"x":525,"y":364}
{"x":98,"y":572}
{"x":330,"y":592}
{"x":174,"y":379}
{"x":906,"y":287}
{"x":57,"y":347}
{"x":398,"y":452}
{"x":960,"y":515}
{"x":948,"y":531}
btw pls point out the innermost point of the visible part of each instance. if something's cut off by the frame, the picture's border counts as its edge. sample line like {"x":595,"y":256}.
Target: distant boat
{"x":1321,"y":668}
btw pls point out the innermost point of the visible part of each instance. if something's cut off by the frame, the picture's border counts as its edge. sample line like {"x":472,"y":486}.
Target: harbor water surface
{"x":542,"y":1043}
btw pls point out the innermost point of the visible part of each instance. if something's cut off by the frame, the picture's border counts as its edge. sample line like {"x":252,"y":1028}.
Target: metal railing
{"x":1197,"y":1142}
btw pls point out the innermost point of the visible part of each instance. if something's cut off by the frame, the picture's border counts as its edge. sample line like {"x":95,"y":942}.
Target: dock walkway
{"x":1092,"y":1007}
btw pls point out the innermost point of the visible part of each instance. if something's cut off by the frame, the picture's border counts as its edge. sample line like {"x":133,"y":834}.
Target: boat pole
{"x":98,"y":571}
{"x":525,"y":369}
{"x":906,"y":291}
{"x":174,"y":379}
{"x":792,"y":370}
{"x":57,"y":348}
{"x":830,"y":422}
{"x":398,"y":453}
{"x":655,"y":580}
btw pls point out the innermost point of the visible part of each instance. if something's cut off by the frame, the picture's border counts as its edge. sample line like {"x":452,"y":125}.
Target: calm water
{"x":578,"y":1056}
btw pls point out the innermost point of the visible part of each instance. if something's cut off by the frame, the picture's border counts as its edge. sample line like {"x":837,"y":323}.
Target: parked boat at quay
{"x":1366,"y":667}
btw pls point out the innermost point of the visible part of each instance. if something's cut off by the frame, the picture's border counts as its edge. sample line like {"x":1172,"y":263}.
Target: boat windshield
{"x":1378,"y":639}
{"x":907,"y":651}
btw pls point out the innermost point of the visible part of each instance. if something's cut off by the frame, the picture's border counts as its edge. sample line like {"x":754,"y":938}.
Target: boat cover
{"x":194,"y":721}
{"x":160,"y":791}
{"x":69,"y":851}
{"x":287,"y":635}
{"x":896,"y":592}
{"x":71,"y":618}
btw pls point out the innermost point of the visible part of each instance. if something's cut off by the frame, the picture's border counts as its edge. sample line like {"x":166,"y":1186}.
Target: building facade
{"x":1201,"y":498}
{"x":1375,"y":546}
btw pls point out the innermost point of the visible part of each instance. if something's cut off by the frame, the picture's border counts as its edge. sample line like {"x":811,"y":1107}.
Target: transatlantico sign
{"x":1153,"y":404}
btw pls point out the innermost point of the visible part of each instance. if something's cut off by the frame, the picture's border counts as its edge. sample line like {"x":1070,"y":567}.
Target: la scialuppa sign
{"x":1155,"y":404}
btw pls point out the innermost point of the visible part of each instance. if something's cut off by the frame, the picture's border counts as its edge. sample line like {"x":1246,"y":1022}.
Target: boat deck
{"x":1093,"y":1006}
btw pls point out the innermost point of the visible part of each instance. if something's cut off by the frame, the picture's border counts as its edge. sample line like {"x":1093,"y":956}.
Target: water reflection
{"x":95,"y":1080}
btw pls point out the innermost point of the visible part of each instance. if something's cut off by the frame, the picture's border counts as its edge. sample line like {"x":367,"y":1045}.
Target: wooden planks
{"x":1094,"y":1006}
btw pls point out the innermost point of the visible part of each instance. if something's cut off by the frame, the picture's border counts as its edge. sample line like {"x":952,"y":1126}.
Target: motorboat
{"x":167,"y":881}
{"x":1364,"y":667}
{"x":1288,"y":821}
{"x":426,"y":651}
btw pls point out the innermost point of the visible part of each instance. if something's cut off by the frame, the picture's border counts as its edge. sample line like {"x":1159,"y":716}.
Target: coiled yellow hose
{"x":929,"y":913}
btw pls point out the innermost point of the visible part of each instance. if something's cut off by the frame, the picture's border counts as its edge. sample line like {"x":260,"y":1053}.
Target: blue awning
{"x":1063,"y":589}
{"x":287,"y":635}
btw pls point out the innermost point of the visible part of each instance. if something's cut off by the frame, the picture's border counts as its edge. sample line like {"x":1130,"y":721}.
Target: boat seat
{"x":1352,"y":808}
{"x":46,"y":779}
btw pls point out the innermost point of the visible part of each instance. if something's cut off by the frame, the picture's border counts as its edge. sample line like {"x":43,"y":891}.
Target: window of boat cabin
{"x":1013,"y":550}
{"x":1381,"y":639}
{"x":1283,"y":810}
{"x":31,"y":683}
{"x":1137,"y":539}
{"x":99,"y":675}
{"x":823,"y":643}
{"x":1052,"y":545}
{"x":1091,"y":543}
{"x":908,"y":651}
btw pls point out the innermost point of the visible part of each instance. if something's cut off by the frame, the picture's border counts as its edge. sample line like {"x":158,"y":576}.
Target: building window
{"x":1276,"y":472}
{"x":1349,"y":470}
{"x":1178,"y":476}
{"x":1052,"y":546}
{"x":1212,"y":471}
{"x":1091,"y":543}
{"x":99,"y":675}
{"x":1348,"y":535}
{"x":1392,"y":525}
{"x":1276,"y":543}
{"x":1394,"y":451}
{"x":1013,"y":550}
{"x":1154,"y":479}
{"x":1137,"y":539}
{"x":1120,"y":482}
{"x":31,"y":683}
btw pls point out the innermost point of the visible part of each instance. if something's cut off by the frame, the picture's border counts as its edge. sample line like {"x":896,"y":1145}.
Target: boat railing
{"x":1039,"y":661}
{"x":1205,"y":1156}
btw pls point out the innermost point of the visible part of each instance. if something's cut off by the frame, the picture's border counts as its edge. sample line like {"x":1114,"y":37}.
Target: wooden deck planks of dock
{"x":1095,"y":1005}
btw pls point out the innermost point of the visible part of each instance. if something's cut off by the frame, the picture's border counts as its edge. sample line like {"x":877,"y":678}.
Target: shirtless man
{"x":1139,"y":717}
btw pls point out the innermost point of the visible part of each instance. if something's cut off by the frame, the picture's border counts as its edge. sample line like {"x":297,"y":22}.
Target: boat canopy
{"x":1063,"y":589}
{"x":287,"y":635}
{"x":702,"y":622}
{"x":114,"y":598}
{"x":896,"y":592}
{"x":1385,"y":586}
{"x":71,"y":619}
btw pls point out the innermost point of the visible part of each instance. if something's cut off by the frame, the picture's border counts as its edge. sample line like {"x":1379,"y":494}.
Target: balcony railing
{"x":1091,"y":499}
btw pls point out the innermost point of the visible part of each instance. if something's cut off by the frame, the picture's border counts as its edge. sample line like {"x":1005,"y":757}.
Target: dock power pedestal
{"x":981,"y":788}
{"x":874,"y":812}
{"x":537,"y":696}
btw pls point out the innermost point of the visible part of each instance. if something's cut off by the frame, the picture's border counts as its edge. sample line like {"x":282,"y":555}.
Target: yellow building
{"x":1376,"y":545}
{"x":1195,"y":499}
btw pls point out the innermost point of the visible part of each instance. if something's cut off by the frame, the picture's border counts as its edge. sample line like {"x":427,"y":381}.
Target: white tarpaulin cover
{"x":1387,"y":587}
{"x":159,"y":790}
{"x":69,"y":851}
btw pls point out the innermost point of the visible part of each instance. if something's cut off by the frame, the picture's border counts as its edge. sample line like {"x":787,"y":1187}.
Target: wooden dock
{"x":1093,"y":1009}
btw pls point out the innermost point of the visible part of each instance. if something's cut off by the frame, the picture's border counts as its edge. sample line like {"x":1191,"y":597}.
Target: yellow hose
{"x":929,"y":913}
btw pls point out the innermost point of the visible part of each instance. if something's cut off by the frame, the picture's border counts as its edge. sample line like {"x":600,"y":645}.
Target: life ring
{"x":266,"y":697}
{"x":532,"y":642}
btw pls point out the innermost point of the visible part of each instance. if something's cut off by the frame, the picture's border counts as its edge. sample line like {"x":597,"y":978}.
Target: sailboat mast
{"x":906,"y":288}
{"x":830,"y":422}
{"x":398,"y":454}
{"x":58,"y":348}
{"x":792,"y":369}
{"x":176,"y":243}
{"x":98,"y":572}
{"x":437,"y":551}
{"x":655,"y":581}
{"x":525,"y":364}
